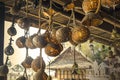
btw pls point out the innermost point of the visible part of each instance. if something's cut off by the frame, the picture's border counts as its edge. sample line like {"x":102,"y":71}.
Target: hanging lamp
{"x":92,"y":17}
{"x":54,"y":47}
{"x":80,"y":33}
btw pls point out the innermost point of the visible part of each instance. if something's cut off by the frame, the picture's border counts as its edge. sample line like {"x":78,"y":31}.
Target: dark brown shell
{"x":53,"y":49}
{"x":63,"y":34}
{"x":29,"y":42}
{"x":9,"y":50}
{"x":3,"y":70}
{"x":35,"y":65}
{"x":24,"y":23}
{"x":89,"y":5}
{"x":40,"y":41}
{"x":92,"y":19}
{"x":27,"y":62}
{"x":80,"y":34}
{"x":12,"y":31}
{"x":20,"y":42}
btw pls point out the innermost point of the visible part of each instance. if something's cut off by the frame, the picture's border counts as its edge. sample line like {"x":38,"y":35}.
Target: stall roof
{"x":66,"y":60}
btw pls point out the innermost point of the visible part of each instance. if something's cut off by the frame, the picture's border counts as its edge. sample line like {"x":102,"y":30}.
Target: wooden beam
{"x":2,"y":17}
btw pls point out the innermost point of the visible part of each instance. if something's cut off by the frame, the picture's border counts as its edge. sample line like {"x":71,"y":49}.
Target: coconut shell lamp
{"x":40,"y":41}
{"x":27,"y":62}
{"x":91,"y":8}
{"x":20,"y":42}
{"x":29,"y":42}
{"x":63,"y":34}
{"x":90,"y":5}
{"x":35,"y":65}
{"x":53,"y":49}
{"x":24,"y":23}
{"x":80,"y":34}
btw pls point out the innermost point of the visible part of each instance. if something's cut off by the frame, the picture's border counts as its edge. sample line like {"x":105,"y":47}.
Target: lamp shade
{"x":80,"y":34}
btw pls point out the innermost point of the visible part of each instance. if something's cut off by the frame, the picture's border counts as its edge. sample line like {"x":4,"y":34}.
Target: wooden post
{"x":2,"y":17}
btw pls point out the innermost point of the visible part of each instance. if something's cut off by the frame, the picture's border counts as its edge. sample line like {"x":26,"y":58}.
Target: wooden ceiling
{"x":100,"y":33}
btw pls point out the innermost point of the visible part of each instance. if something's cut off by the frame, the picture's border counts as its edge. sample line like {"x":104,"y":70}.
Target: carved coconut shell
{"x":9,"y":50}
{"x":20,"y":42}
{"x":109,"y":3}
{"x":29,"y":42}
{"x":12,"y":31}
{"x":24,"y":23}
{"x":27,"y":62}
{"x":90,"y":5}
{"x":35,"y":65}
{"x":40,"y":41}
{"x":53,"y":49}
{"x":21,"y":78}
{"x":3,"y":70}
{"x":92,"y":19}
{"x":80,"y":34}
{"x":63,"y":34}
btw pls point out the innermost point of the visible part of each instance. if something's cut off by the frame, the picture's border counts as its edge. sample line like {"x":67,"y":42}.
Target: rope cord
{"x":26,"y":8}
{"x":98,"y":7}
{"x":6,"y":60}
{"x":39,"y":14}
{"x":69,"y":20}
{"x":50,"y":18}
{"x":39,"y":31}
{"x":73,"y":14}
{"x":74,"y":54}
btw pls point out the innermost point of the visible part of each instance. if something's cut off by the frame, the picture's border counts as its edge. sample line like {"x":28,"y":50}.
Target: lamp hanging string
{"x":51,"y":17}
{"x":73,"y":14}
{"x":114,"y":16}
{"x":69,"y":20}
{"x":74,"y":53}
{"x":39,"y":14}
{"x":26,"y":8}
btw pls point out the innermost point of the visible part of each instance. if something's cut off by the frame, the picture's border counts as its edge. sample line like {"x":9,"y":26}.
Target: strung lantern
{"x":40,"y":41}
{"x":27,"y":62}
{"x":53,"y":49}
{"x":63,"y":34}
{"x":110,"y":3}
{"x":92,"y":19}
{"x":80,"y":34}
{"x":9,"y":50}
{"x":4,"y":70}
{"x":20,"y":42}
{"x":24,"y":23}
{"x":29,"y":42}
{"x":90,"y":5}
{"x":35,"y":65}
{"x":12,"y":31}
